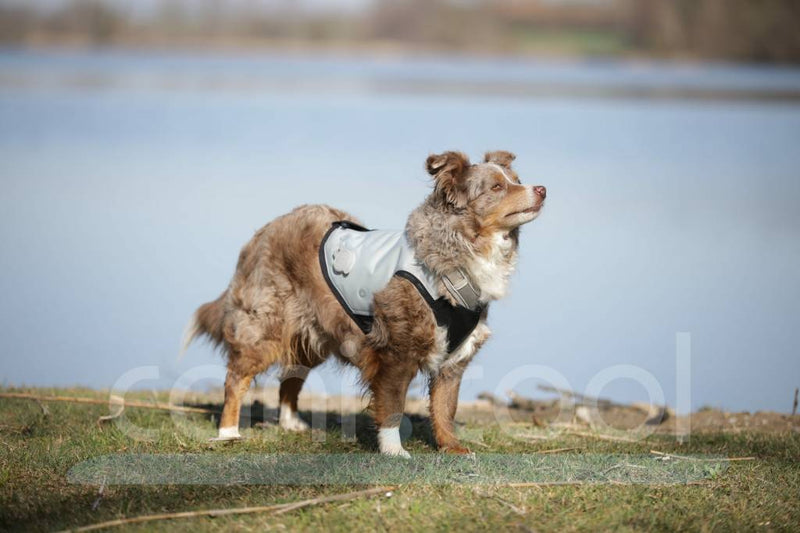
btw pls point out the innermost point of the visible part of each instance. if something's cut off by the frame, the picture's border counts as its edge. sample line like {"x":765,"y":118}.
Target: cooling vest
{"x":357,"y":263}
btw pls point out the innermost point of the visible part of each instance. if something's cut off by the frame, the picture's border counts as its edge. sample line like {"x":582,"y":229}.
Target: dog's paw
{"x":396,"y":452}
{"x":457,"y":450}
{"x":227,"y":434}
{"x":225,"y":439}
{"x":294,"y":423}
{"x":389,"y":443}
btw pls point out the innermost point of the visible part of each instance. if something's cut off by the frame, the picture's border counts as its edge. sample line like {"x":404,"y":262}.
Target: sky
{"x":127,"y":197}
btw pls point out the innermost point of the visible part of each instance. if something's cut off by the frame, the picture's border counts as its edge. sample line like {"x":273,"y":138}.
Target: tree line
{"x":739,"y":30}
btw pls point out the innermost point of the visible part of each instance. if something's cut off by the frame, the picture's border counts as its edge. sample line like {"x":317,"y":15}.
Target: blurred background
{"x":141,"y":144}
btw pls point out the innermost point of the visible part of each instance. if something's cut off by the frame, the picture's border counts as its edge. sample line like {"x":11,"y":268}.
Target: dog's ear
{"x":500,"y":157}
{"x":449,"y":170}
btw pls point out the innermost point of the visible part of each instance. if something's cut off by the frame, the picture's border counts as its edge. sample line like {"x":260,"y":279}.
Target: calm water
{"x":130,"y":181}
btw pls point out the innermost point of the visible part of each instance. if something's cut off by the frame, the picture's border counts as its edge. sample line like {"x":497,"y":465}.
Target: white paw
{"x":226,"y":434}
{"x":290,"y":421}
{"x":293,"y":423}
{"x":389,"y":443}
{"x":396,"y":452}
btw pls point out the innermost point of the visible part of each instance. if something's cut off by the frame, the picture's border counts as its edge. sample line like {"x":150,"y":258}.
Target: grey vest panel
{"x":359,"y":263}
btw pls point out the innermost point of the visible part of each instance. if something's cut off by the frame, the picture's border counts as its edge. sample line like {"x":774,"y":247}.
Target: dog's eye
{"x":497,"y":187}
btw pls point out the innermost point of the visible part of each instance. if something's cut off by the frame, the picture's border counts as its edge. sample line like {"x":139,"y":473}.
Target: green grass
{"x":580,"y":42}
{"x":624,"y":487}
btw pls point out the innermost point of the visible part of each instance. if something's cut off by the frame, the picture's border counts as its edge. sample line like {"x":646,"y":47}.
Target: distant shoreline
{"x":371,"y":48}
{"x":366,"y":83}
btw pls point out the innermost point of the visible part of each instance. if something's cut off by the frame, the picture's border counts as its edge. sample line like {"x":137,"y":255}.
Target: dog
{"x":282,"y":307}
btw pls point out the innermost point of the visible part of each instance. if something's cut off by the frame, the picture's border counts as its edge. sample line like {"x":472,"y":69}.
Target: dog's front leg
{"x":389,"y":387}
{"x":444,"y":401}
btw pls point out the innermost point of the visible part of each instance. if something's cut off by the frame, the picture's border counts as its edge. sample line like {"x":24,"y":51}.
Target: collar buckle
{"x":462,"y":289}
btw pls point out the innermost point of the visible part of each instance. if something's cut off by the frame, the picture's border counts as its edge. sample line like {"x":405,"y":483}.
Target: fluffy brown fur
{"x":278,"y":309}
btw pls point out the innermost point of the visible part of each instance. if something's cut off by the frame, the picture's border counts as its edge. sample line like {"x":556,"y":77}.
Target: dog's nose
{"x":541,"y":191}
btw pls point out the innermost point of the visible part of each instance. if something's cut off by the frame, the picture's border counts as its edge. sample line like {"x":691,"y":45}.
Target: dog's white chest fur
{"x":491,"y":274}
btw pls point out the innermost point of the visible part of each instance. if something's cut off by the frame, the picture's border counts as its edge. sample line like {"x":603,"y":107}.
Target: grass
{"x":622,"y":486}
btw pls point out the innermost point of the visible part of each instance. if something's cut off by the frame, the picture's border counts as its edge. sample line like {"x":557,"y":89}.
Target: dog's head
{"x":490,"y":192}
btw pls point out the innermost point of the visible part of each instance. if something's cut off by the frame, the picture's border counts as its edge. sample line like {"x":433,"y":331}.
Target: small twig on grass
{"x":510,"y":505}
{"x":685,"y":458}
{"x":120,"y":403}
{"x":327,"y":499}
{"x":600,"y":436}
{"x":43,"y":407}
{"x":545,"y":484}
{"x":477,"y":443}
{"x":529,"y":436}
{"x":557,"y":450}
{"x":100,"y":492}
{"x":271,"y":509}
{"x":540,"y":484}
{"x":607,"y":470}
{"x":517,"y":510}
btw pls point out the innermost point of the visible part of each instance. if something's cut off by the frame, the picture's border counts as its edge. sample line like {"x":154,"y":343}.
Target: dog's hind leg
{"x":236,"y":386}
{"x":292,"y":379}
{"x":243,"y":366}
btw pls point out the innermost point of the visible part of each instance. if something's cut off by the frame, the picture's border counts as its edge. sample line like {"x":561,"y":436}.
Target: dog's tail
{"x":207,"y":320}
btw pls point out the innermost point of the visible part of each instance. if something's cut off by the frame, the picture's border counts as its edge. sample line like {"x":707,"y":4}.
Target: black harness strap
{"x":459,"y":321}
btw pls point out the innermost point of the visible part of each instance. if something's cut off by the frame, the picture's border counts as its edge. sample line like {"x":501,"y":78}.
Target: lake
{"x":131,"y":179}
